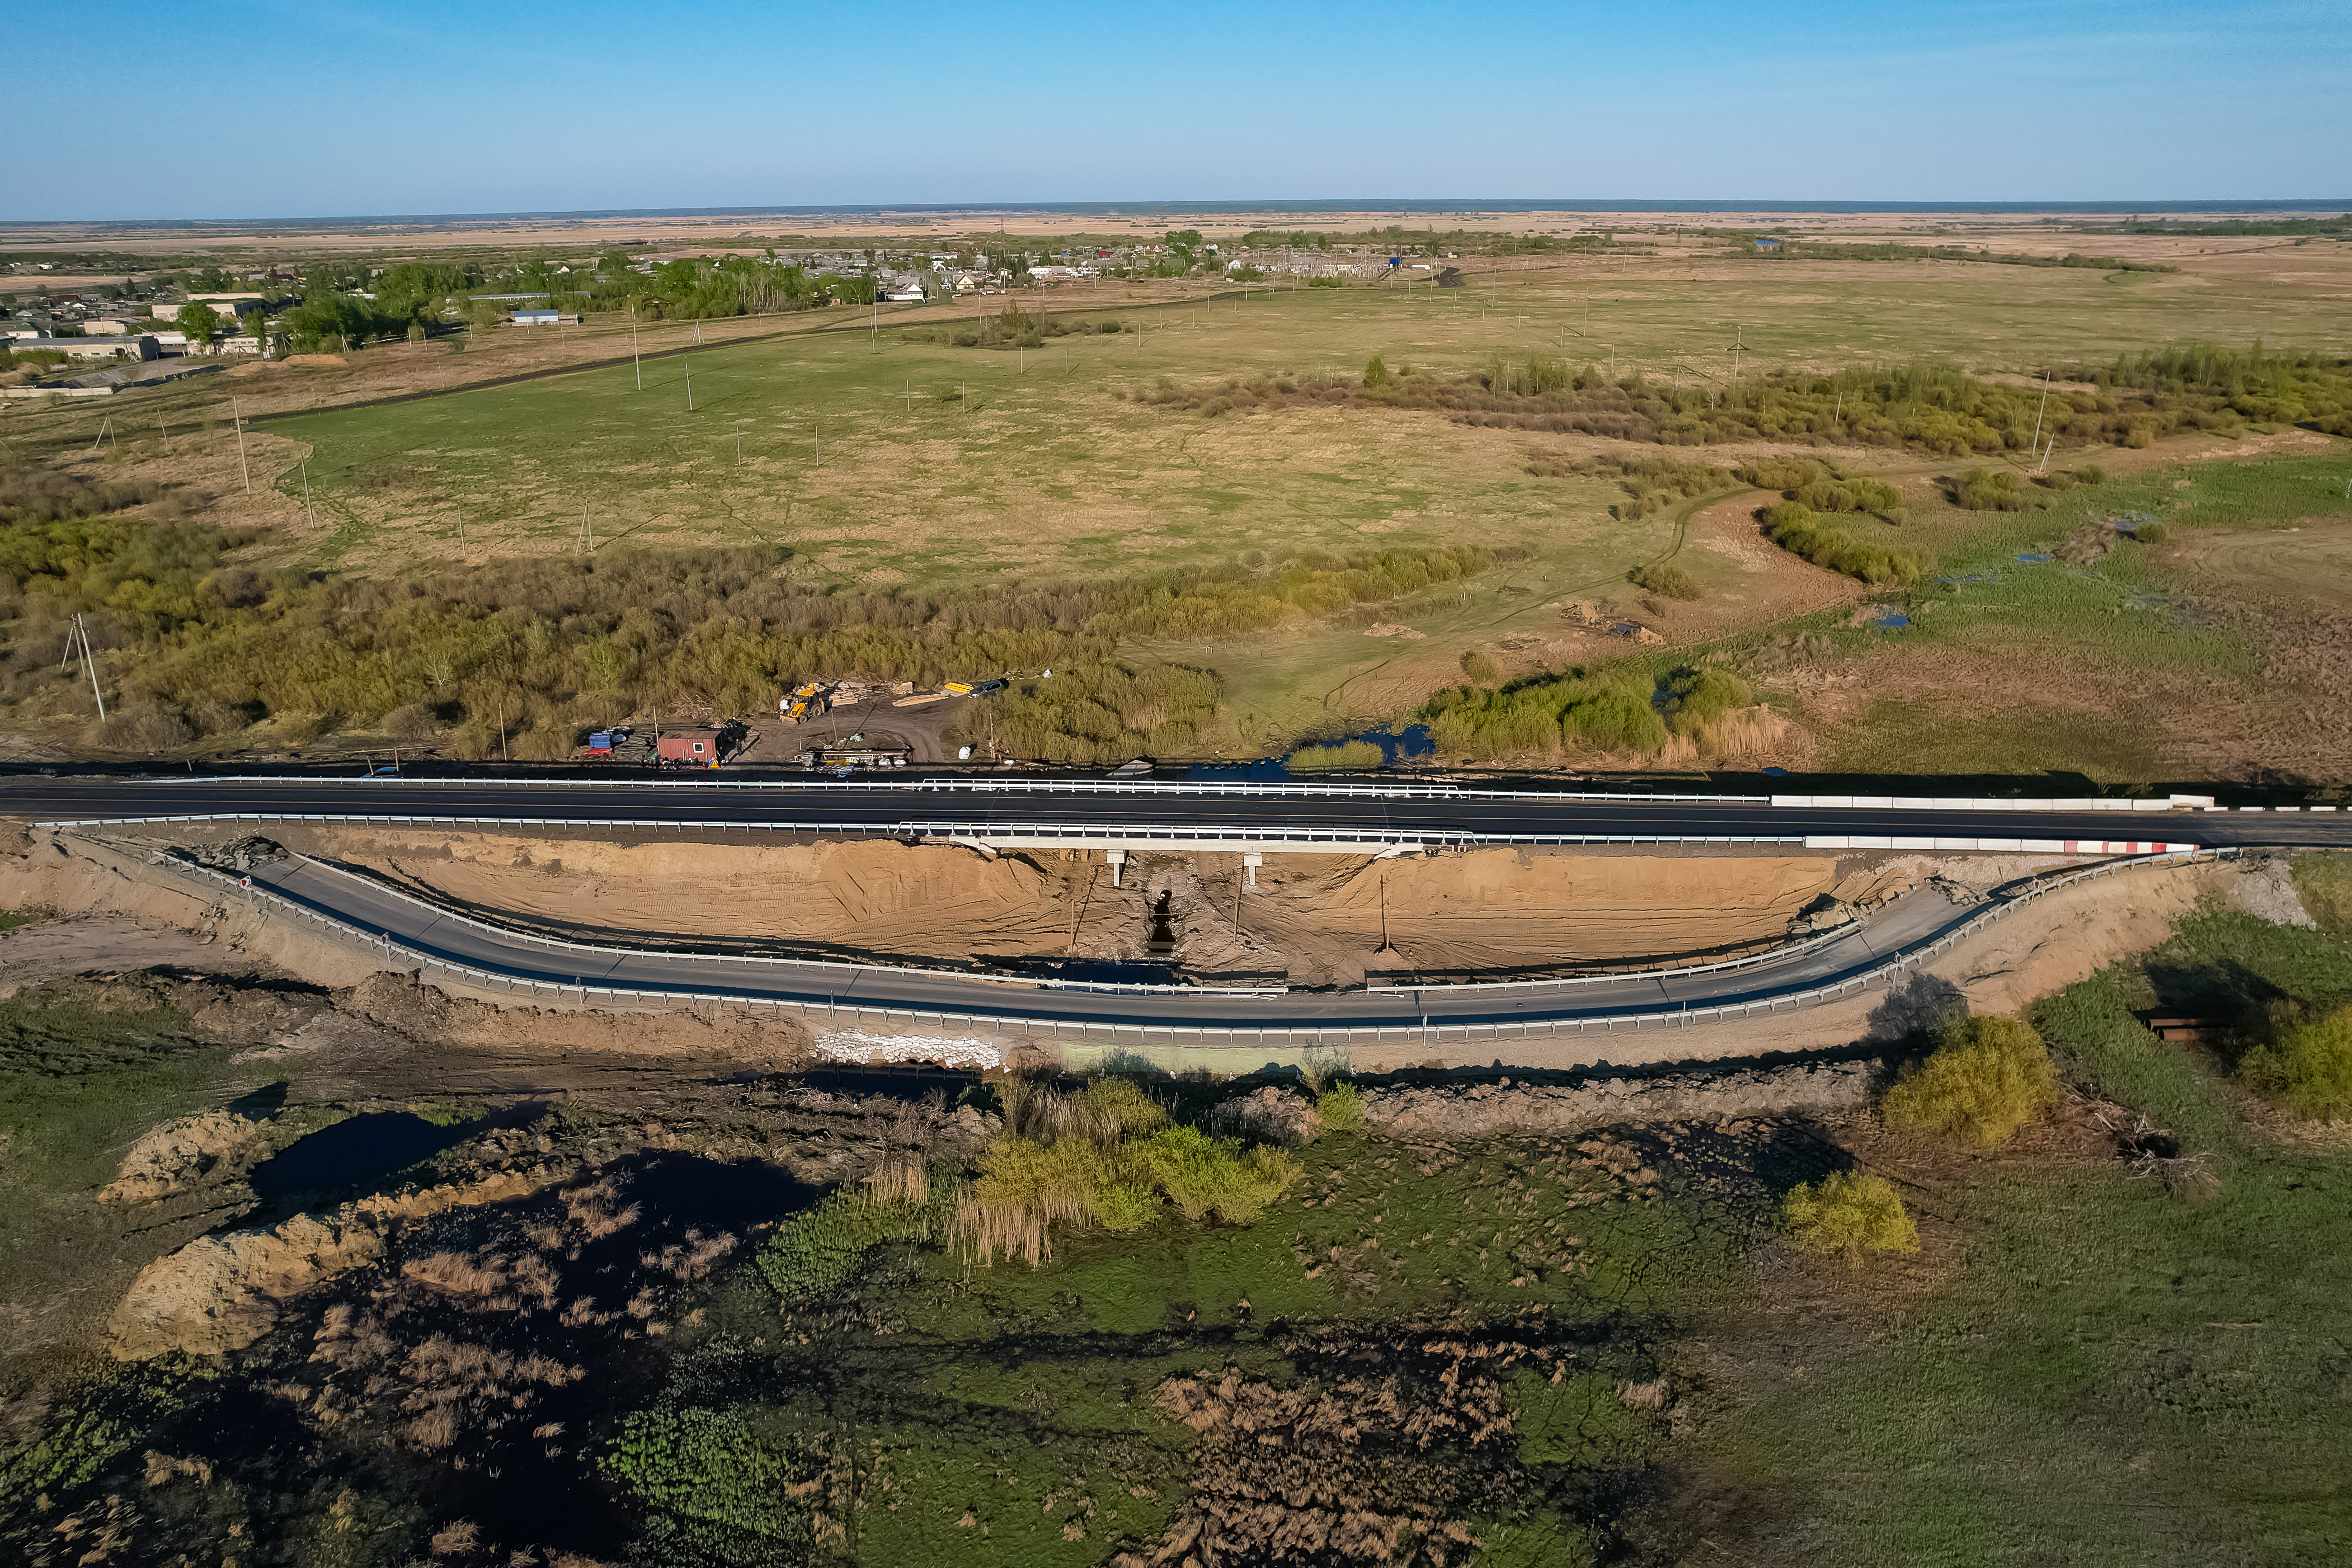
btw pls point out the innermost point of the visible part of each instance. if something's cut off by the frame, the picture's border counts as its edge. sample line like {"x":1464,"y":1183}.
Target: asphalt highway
{"x":1282,"y":818}
{"x":841,"y":990}
{"x":891,"y":808}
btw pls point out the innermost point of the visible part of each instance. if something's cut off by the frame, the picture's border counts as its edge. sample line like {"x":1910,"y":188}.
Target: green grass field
{"x":938,"y":464}
{"x":2105,"y":1375}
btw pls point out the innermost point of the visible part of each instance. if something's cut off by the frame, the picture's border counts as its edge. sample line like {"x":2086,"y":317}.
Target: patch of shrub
{"x":2090,"y":474}
{"x":1795,"y":528}
{"x":1123,"y":1101}
{"x":1987,"y":1076}
{"x":1666,"y":580}
{"x":2151,"y":533}
{"x":1203,"y":1175}
{"x":2308,"y":1066}
{"x":1480,"y":665}
{"x":1027,"y":1185}
{"x":815,"y":1253}
{"x":1341,"y":1107}
{"x":711,"y":1465}
{"x":1849,"y":1215}
{"x":1346,"y":756}
{"x":1611,"y":713}
{"x":1980,"y":489}
{"x":1694,"y":700}
{"x":1923,"y":406}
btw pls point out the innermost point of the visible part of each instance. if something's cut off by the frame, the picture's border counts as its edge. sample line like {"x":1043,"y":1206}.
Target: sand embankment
{"x":1318,"y":918}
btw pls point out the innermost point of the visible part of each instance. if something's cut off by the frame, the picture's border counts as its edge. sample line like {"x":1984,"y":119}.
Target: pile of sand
{"x":1318,"y":917}
{"x":178,"y":1154}
{"x":222,"y":1292}
{"x":1487,"y":1111}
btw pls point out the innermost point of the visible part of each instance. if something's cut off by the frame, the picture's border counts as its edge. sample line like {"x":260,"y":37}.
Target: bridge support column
{"x":1117,"y":858}
{"x":1251,"y":861}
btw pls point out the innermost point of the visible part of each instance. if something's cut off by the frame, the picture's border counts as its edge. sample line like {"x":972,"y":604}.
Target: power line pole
{"x":305,"y":493}
{"x":238,"y":419}
{"x":689,"y":387}
{"x":634,"y":359}
{"x":90,"y":662}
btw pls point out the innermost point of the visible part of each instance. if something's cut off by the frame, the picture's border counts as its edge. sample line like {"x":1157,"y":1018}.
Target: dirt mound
{"x":178,"y":1154}
{"x":239,"y":855}
{"x":222,"y":1292}
{"x":404,"y":1004}
{"x":2266,"y":890}
{"x":1269,"y":1115}
{"x":2069,"y":933}
{"x":1490,"y":1110}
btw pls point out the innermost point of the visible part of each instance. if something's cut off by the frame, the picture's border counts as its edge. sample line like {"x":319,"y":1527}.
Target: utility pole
{"x":2038,"y":412}
{"x":239,"y":420}
{"x":90,"y":662}
{"x":633,"y":360}
{"x":305,"y":493}
{"x":689,"y":387}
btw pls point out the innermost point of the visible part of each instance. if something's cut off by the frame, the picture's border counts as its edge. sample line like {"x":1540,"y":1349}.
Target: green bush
{"x":2308,"y":1066}
{"x":1203,"y":1175}
{"x":2151,"y":533}
{"x":1026,"y":1186}
{"x":1376,"y":375}
{"x":815,"y":1253}
{"x":1125,"y":1103}
{"x":1341,"y":1107}
{"x":2090,"y":474}
{"x":1981,"y":489}
{"x":1611,"y":712}
{"x":1666,"y":580}
{"x":1849,"y":1215}
{"x":1987,"y":1077}
{"x":711,"y":1465}
{"x":1694,"y":701}
{"x":1796,"y":529}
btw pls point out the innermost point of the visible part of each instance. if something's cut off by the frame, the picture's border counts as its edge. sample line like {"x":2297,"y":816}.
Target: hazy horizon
{"x":1429,"y":210}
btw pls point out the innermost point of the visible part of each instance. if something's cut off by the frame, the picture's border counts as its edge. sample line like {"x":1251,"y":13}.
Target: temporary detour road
{"x":1292,"y":819}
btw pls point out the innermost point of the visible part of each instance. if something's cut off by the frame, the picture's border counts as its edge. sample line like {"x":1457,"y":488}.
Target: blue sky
{"x":268,"y":108}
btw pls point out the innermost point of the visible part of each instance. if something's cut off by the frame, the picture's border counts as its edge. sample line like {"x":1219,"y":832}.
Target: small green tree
{"x":2309,"y":1066}
{"x":1987,"y":1076}
{"x":1478,"y":664}
{"x":1849,"y":1215}
{"x":200,"y":322}
{"x":1376,"y":375}
{"x":1341,"y":1107}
